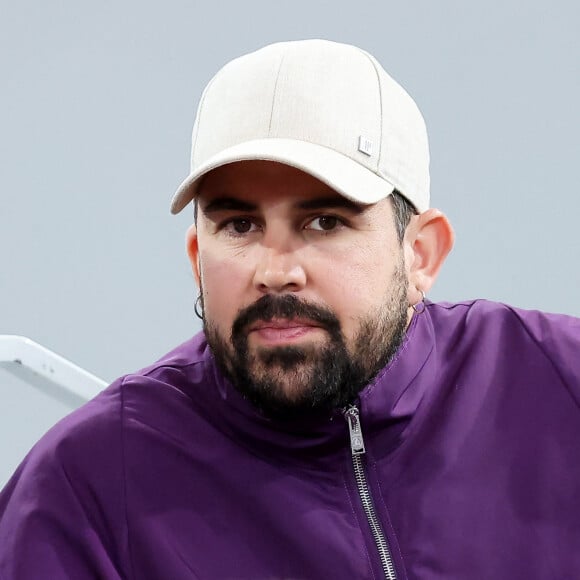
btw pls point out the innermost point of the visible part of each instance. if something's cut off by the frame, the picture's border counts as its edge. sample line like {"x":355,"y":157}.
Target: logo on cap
{"x":365,"y":145}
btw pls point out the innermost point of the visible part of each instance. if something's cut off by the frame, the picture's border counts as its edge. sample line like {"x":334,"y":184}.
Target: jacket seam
{"x":453,"y":305}
{"x":546,"y":355}
{"x":156,"y":368}
{"x":124,"y":478}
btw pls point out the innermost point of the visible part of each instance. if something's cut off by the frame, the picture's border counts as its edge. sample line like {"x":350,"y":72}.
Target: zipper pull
{"x":357,"y":444}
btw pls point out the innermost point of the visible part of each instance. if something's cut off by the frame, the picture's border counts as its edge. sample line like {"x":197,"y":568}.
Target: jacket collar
{"x":387,"y":404}
{"x":397,"y":390}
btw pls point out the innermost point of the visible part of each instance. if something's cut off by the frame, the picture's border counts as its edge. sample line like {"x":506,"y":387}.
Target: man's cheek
{"x":222,"y":283}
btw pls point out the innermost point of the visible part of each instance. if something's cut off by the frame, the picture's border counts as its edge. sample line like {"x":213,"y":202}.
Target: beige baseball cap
{"x":326,"y":108}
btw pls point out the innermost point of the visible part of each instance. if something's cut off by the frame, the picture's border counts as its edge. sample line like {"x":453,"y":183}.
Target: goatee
{"x":288,"y":381}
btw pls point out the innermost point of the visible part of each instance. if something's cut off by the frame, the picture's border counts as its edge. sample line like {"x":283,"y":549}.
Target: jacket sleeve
{"x":62,"y":513}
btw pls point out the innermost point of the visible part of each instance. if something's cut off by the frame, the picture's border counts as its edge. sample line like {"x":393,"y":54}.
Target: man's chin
{"x":286,"y":377}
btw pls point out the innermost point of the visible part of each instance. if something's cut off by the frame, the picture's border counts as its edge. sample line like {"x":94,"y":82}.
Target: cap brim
{"x":338,"y":171}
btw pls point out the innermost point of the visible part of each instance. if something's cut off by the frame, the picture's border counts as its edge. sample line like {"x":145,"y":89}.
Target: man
{"x":329,"y":422}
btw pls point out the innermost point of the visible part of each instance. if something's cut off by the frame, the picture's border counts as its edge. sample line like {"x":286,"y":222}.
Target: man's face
{"x":304,"y":292}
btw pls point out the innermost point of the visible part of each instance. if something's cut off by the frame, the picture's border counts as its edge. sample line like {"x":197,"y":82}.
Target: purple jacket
{"x":471,"y":461}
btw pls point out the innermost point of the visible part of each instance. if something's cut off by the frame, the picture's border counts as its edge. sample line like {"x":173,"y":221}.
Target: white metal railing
{"x":47,"y":370}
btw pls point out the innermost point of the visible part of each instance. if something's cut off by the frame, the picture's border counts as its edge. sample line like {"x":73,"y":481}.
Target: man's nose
{"x":279,"y":268}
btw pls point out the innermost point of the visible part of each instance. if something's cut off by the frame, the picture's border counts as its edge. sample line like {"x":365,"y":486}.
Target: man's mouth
{"x":279,"y":331}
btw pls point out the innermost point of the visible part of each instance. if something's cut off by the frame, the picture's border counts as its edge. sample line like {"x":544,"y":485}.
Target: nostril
{"x":285,"y":278}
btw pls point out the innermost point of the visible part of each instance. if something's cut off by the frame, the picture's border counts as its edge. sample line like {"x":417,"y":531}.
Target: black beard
{"x":317,"y":378}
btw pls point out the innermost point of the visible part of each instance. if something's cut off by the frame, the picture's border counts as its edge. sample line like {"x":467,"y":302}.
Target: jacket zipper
{"x":357,"y":447}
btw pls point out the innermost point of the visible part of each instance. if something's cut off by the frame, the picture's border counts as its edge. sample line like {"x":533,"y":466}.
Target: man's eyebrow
{"x":332,"y":201}
{"x":227,"y":204}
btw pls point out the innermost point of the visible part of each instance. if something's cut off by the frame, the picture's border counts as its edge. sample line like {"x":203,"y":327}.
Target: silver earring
{"x":420,"y":306}
{"x":198,"y":307}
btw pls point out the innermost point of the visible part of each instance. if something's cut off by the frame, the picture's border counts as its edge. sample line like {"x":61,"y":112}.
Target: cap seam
{"x":274,"y":94}
{"x":197,"y":121}
{"x":372,"y":61}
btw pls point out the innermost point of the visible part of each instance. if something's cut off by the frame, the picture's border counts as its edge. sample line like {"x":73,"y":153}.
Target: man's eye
{"x":323,"y":223}
{"x":240,"y":226}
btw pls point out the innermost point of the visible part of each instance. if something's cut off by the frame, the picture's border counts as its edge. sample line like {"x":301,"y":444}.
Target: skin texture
{"x":330,"y":275}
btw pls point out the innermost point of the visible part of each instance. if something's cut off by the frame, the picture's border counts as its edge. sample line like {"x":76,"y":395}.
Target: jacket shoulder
{"x":515,"y":330}
{"x":70,"y":485}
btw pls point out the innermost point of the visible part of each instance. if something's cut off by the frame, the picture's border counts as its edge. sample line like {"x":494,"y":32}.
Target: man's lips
{"x":283,"y":324}
{"x":282,"y":329}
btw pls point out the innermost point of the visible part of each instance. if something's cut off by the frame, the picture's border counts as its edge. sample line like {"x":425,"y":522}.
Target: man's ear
{"x":193,"y":251}
{"x":428,"y":240}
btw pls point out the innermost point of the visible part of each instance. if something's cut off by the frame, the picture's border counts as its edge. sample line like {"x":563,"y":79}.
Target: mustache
{"x":285,"y":306}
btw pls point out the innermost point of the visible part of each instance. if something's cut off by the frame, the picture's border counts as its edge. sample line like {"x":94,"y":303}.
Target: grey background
{"x":97,"y":103}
